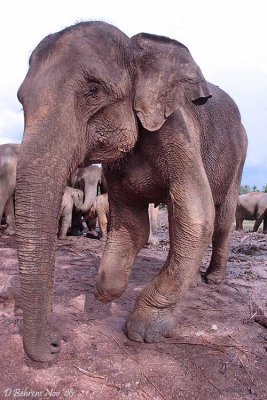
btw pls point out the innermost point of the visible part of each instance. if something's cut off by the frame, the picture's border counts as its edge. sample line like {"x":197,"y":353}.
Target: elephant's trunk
{"x":90,"y":192}
{"x":41,"y":180}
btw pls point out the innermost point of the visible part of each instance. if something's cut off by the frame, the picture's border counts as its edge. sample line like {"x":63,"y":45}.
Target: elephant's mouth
{"x":101,"y":154}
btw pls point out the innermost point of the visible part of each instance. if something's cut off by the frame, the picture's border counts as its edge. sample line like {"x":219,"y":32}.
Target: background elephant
{"x":142,"y":107}
{"x":252,"y":206}
{"x":100,"y":211}
{"x":91,"y":181}
{"x":153,"y":211}
{"x":72,"y":198}
{"x":8,"y":166}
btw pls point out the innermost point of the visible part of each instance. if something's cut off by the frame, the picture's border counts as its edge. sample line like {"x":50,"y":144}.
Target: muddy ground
{"x":219,"y":350}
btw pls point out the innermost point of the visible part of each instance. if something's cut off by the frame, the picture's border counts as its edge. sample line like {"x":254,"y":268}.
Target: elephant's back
{"x":223,"y":140}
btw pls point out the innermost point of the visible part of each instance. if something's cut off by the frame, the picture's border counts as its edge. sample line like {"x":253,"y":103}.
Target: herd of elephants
{"x":142,"y":108}
{"x":84,"y":203}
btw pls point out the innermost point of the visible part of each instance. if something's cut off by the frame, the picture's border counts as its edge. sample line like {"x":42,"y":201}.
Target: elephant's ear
{"x":167,"y":77}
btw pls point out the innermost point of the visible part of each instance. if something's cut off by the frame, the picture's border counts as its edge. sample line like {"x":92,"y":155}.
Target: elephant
{"x":72,"y":198}
{"x":153,"y":211}
{"x":252,"y":206}
{"x":8,"y":165}
{"x":90,"y":180}
{"x":142,"y":107}
{"x":100,"y":211}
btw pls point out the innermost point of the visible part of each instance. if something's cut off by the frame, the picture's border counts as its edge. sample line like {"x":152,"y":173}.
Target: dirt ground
{"x":219,"y":350}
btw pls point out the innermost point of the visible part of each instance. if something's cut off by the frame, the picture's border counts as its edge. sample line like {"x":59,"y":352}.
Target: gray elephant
{"x":72,"y":199}
{"x":142,"y":107}
{"x":91,"y":181}
{"x":153,"y":211}
{"x":8,"y":166}
{"x":252,"y":206}
{"x":100,"y":211}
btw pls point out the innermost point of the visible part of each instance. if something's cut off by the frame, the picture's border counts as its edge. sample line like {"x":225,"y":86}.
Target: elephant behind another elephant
{"x":100,"y":210}
{"x":8,"y":165}
{"x":90,"y":180}
{"x":252,"y":206}
{"x":72,"y":199}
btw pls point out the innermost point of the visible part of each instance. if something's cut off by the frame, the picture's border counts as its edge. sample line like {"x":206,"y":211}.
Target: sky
{"x":226,"y":38}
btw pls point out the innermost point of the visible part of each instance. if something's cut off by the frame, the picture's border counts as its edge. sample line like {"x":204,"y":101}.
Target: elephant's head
{"x":85,"y":88}
{"x":88,"y":180}
{"x":77,"y":196}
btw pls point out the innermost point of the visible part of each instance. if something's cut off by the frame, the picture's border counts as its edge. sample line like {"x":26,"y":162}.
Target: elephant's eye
{"x":93,"y":89}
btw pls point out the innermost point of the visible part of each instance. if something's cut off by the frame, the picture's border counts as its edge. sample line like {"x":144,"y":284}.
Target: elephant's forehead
{"x":100,"y":55}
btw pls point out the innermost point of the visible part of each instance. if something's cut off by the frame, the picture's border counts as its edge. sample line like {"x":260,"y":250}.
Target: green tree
{"x":255,"y":189}
{"x":264,"y":189}
{"x":244,"y":189}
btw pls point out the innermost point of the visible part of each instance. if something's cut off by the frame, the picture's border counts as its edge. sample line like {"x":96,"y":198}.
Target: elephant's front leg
{"x":191,"y":225}
{"x":10,"y":217}
{"x":129,"y":230}
{"x":257,"y":223}
{"x":153,"y":223}
{"x":65,"y":222}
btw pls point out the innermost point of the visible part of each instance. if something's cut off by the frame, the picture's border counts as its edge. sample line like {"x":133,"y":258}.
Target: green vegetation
{"x":246,"y":189}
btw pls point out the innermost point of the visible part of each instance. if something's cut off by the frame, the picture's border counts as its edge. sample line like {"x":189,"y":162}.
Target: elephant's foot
{"x":103,"y":237}
{"x":149,"y":325}
{"x":214,"y":276}
{"x":62,"y":237}
{"x":153,"y":240}
{"x":10,"y":231}
{"x":41,"y":354}
{"x":110,"y":286}
{"x":92,"y":235}
{"x":197,"y":281}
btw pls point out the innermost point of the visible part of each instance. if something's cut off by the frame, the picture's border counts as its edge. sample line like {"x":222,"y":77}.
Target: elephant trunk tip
{"x":48,"y":354}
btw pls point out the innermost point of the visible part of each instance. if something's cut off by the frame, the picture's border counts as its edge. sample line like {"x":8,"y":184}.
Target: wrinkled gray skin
{"x":72,"y":199}
{"x":8,"y":166}
{"x":142,"y":107}
{"x":252,"y":206}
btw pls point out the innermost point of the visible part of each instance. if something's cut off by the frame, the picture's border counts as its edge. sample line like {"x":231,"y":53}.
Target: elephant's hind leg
{"x":3,"y":200}
{"x":65,"y":224}
{"x":258,"y":221}
{"x":224,"y":217}
{"x":265,"y":223}
{"x":239,"y":223}
{"x":152,"y":318}
{"x":153,"y":223}
{"x":10,"y":217}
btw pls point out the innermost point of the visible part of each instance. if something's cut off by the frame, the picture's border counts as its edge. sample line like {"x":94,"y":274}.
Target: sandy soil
{"x":219,"y":350}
